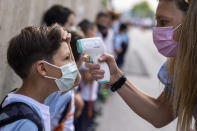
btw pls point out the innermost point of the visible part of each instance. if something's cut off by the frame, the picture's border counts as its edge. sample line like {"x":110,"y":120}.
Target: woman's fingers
{"x":107,"y":58}
{"x":85,"y":58}
{"x":92,"y":66}
{"x":97,"y":77}
{"x":95,"y":68}
{"x":96,"y":74}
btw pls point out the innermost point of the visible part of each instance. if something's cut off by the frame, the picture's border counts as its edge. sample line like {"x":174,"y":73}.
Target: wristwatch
{"x":118,"y":84}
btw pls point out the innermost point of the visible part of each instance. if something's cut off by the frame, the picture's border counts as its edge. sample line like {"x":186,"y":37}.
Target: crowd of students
{"x":40,"y":55}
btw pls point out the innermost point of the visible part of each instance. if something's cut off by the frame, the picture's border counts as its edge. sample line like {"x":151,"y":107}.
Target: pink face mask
{"x":163,"y":40}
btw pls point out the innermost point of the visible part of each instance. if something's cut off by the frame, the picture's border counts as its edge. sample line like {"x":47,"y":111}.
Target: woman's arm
{"x":158,"y":112}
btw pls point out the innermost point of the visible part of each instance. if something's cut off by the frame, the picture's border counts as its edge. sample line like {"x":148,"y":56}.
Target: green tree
{"x":142,"y":10}
{"x":104,"y":3}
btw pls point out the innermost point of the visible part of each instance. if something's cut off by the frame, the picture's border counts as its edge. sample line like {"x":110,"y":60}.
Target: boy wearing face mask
{"x":42,"y":58}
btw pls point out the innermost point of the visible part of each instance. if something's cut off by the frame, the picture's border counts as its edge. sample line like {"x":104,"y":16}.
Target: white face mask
{"x":69,"y":74}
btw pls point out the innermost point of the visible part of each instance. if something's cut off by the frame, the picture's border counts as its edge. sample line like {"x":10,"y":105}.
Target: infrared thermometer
{"x":94,"y":48}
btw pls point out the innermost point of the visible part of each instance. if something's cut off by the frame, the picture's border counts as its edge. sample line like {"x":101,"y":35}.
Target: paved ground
{"x":142,"y":64}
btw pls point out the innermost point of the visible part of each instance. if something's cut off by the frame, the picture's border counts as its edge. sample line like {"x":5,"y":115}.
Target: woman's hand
{"x":97,"y":73}
{"x":86,"y":77}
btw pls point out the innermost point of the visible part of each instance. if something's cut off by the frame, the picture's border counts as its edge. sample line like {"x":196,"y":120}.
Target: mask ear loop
{"x":53,"y":66}
{"x":177,"y":27}
{"x":50,"y":77}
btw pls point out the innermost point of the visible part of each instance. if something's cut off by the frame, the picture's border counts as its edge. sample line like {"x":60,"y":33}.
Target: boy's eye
{"x":67,"y":58}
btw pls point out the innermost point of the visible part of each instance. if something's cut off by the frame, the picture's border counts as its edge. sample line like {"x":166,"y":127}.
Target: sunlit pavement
{"x":141,"y":67}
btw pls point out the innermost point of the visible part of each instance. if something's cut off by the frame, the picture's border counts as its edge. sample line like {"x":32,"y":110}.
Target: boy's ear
{"x":45,"y":69}
{"x":40,"y":68}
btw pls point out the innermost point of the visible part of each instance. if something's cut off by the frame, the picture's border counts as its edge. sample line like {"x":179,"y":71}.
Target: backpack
{"x":18,"y":111}
{"x":65,"y":114}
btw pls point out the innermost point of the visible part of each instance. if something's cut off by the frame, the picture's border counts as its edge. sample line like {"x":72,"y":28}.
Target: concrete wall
{"x":16,"y":14}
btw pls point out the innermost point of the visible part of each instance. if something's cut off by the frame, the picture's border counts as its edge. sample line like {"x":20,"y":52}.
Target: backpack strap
{"x":64,"y":117}
{"x":6,"y":97}
{"x":17,"y":111}
{"x":66,"y":110}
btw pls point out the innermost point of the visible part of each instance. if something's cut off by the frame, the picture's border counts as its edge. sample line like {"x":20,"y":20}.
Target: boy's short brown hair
{"x":33,"y":44}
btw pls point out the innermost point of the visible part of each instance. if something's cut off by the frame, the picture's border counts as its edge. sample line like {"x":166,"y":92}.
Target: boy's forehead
{"x":63,"y":50}
{"x":65,"y":47}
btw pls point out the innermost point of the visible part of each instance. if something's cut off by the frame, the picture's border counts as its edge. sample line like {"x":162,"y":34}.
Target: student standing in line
{"x":121,"y":44}
{"x":88,"y":87}
{"x":105,"y":31}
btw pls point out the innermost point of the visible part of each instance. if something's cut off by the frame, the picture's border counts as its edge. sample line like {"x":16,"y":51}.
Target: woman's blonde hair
{"x":184,"y":70}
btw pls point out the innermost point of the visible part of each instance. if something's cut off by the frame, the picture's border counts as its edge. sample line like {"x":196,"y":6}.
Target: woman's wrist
{"x":116,"y":76}
{"x":119,"y":83}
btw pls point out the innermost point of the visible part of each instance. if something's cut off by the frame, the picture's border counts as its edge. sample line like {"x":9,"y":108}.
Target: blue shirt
{"x":26,"y":125}
{"x":55,"y":101}
{"x":121,"y":39}
{"x":163,"y":77}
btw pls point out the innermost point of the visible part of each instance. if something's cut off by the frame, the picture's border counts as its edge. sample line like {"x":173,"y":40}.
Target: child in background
{"x":121,"y":44}
{"x":88,"y":28}
{"x":115,"y":21}
{"x":105,"y":31}
{"x":61,"y":15}
{"x":79,"y":104}
{"x":88,"y":87}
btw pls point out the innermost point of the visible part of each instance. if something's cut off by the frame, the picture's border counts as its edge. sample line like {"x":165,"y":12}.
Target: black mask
{"x":103,"y":30}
